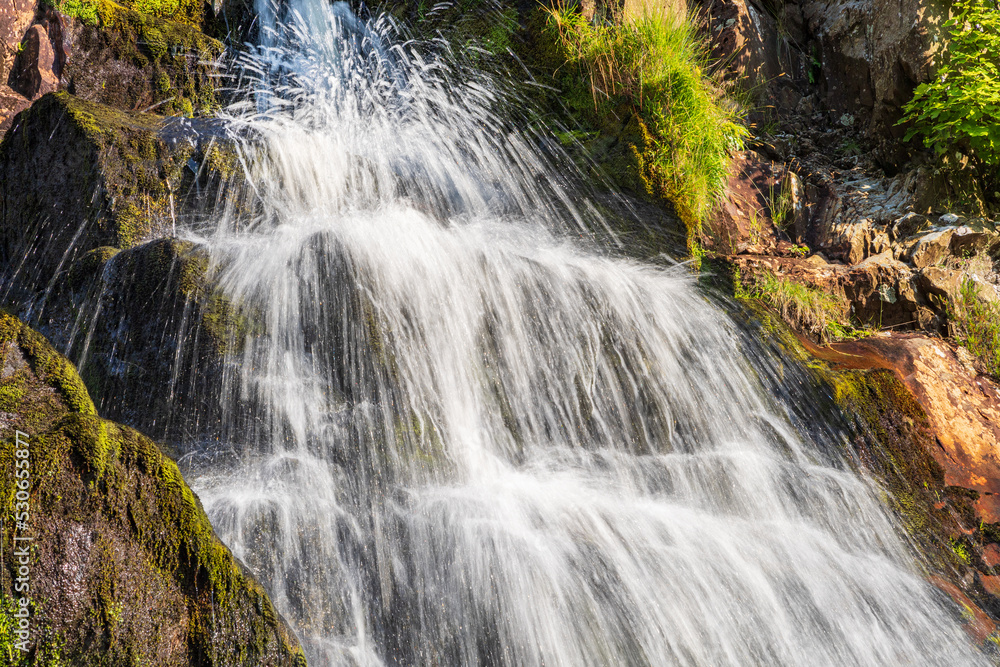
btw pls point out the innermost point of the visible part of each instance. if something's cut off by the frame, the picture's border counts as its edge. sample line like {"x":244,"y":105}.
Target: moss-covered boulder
{"x":124,"y":566}
{"x":132,"y":319}
{"x":77,"y":175}
{"x":140,"y":57}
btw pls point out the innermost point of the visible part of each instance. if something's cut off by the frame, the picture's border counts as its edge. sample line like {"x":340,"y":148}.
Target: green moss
{"x":91,"y":11}
{"x":154,"y":573}
{"x":83,"y":270}
{"x":11,"y":395}
{"x":134,"y":59}
{"x":8,"y":653}
{"x":104,"y":169}
{"x":85,"y":10}
{"x":51,"y":367}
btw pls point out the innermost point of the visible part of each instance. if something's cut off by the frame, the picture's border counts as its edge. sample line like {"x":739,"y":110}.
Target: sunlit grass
{"x":978,"y":323}
{"x":652,"y":65}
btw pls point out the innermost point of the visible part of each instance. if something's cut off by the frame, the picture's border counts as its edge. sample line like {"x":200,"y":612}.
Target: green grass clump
{"x":978,"y":326}
{"x":646,"y":74}
{"x":805,"y":308}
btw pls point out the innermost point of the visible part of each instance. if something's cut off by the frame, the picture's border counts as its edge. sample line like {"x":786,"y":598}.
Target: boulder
{"x":131,"y":319}
{"x":962,"y":407}
{"x":930,"y":249}
{"x":746,"y":40}
{"x":871,"y":56}
{"x":125,"y":567}
{"x":136,"y":61}
{"x":973,"y":238}
{"x":909,"y":225}
{"x":928,"y":429}
{"x":940,"y":282}
{"x":742,"y":222}
{"x":37,"y":64}
{"x":75,"y":176}
{"x":15,"y":17}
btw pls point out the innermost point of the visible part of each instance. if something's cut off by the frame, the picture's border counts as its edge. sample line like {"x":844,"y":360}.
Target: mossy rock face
{"x":134,"y":60}
{"x":125,"y":567}
{"x":105,"y":12}
{"x":130,"y":319}
{"x":84,"y":188}
{"x":77,"y":175}
{"x":893,"y":441}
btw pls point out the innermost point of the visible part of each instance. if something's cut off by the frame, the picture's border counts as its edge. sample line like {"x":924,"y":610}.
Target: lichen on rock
{"x":78,"y":175}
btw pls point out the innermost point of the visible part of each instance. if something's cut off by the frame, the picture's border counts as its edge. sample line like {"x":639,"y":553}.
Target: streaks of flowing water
{"x":466,"y":437}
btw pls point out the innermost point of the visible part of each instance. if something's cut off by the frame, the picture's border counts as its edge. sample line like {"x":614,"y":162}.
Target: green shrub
{"x":647,"y":72}
{"x":977,"y":322}
{"x":959,"y":111}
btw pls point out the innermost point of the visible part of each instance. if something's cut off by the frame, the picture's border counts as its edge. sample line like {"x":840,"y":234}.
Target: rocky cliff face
{"x":125,"y":568}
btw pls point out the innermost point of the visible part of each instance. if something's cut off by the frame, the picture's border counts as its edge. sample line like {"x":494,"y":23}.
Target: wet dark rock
{"x":76,"y":175}
{"x":126,"y":568}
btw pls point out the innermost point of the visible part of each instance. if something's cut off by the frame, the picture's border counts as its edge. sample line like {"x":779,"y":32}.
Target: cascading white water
{"x":461,"y":435}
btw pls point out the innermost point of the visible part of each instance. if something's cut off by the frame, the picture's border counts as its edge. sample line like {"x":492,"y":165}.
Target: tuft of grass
{"x":978,"y":326}
{"x":651,"y":66}
{"x":779,"y":202}
{"x":805,"y":308}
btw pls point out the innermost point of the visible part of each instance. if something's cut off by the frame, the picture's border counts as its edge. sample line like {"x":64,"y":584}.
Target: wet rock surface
{"x":125,"y":566}
{"x":78,"y":175}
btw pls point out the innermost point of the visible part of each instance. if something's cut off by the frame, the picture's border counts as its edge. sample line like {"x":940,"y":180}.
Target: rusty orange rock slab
{"x":963,"y":407}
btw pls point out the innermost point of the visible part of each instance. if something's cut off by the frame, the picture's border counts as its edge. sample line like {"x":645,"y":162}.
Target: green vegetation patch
{"x":805,"y":308}
{"x":134,"y":59}
{"x":978,"y":326}
{"x":958,"y":113}
{"x":94,"y":12}
{"x":644,"y":79}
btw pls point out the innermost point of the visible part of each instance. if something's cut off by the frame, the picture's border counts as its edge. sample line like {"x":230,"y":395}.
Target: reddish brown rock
{"x":977,"y":623}
{"x":963,"y":409}
{"x":747,"y":41}
{"x":11,"y":104}
{"x":15,"y":17}
{"x":37,"y":64}
{"x":879,"y":291}
{"x":991,"y":556}
{"x":743,"y":221}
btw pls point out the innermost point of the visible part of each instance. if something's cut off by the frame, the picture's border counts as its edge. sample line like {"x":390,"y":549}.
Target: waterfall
{"x":458,"y":431}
